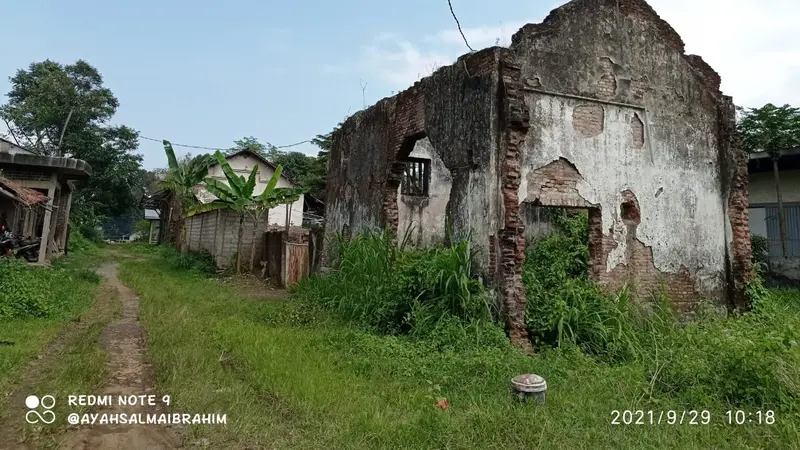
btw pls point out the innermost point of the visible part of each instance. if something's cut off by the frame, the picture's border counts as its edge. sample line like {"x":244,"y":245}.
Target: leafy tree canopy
{"x":769,"y":128}
{"x":64,"y":110}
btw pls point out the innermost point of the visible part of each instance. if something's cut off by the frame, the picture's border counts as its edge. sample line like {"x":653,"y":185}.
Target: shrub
{"x":200,"y":262}
{"x":394,"y":289}
{"x":565,"y":307}
{"x":142,"y":228}
{"x":750,"y":359}
{"x":78,"y":243}
{"x":760,"y":247}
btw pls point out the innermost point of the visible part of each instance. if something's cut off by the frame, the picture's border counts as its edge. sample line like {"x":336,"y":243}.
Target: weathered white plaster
{"x":426,"y":215}
{"x":684,"y":224}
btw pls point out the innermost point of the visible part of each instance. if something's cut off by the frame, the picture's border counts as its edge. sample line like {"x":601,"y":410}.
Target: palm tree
{"x":237,"y":195}
{"x":181,"y":178}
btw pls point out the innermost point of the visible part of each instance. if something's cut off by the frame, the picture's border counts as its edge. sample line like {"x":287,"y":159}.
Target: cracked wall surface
{"x":453,"y":112}
{"x":598,"y":107}
{"x":657,"y":139}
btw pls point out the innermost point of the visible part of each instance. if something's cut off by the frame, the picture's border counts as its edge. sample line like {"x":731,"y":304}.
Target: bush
{"x":392,"y":289}
{"x":142,"y":229}
{"x":201,"y":262}
{"x":760,"y":247}
{"x":78,"y":243}
{"x":31,"y":292}
{"x":749,"y":360}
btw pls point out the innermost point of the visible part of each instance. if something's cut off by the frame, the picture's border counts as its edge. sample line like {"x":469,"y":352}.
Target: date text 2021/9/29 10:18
{"x":691,"y":417}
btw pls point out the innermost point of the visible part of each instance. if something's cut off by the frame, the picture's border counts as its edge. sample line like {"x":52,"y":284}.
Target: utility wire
{"x":217,"y":148}
{"x":459,"y":26}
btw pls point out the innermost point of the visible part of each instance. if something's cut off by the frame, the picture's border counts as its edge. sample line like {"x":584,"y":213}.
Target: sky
{"x":207,"y":73}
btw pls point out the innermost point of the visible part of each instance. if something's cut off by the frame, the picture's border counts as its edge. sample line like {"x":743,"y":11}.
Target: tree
{"x":153,"y":179}
{"x":771,"y":129}
{"x":317,"y":181}
{"x":238,"y":195}
{"x":49,"y":101}
{"x":58,"y":110}
{"x":249,"y":143}
{"x":181,"y":179}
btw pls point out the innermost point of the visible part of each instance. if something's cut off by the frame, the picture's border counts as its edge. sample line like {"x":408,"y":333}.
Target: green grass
{"x":75,"y":365}
{"x":303,"y":379}
{"x":39,"y":302}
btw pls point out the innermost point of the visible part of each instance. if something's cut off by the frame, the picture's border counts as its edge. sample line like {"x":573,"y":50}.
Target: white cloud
{"x":399,"y":62}
{"x":753,"y":45}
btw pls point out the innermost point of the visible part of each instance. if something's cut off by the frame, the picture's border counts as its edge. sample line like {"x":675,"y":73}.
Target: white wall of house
{"x":762,"y":187}
{"x":243,"y":165}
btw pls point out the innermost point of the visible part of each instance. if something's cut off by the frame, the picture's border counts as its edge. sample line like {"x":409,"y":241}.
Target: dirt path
{"x":125,"y":341}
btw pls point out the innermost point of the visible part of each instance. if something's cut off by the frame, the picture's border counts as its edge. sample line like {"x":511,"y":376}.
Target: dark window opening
{"x":416,"y":177}
{"x":630,"y":213}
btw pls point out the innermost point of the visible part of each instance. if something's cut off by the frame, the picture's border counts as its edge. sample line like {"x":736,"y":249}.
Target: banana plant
{"x":181,"y":179}
{"x":238,"y":195}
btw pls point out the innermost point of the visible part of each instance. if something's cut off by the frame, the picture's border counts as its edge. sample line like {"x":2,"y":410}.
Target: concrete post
{"x":51,"y":192}
{"x":67,"y":207}
{"x":54,"y":221}
{"x":219,"y":238}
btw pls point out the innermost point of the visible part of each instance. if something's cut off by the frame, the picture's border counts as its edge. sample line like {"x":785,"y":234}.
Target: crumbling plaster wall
{"x":610,"y":92}
{"x":455,"y":109}
{"x":421,"y":217}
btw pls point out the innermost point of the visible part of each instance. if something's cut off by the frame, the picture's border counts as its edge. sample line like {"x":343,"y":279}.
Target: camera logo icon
{"x":47,"y":416}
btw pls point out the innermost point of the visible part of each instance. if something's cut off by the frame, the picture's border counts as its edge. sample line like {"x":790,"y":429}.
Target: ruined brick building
{"x":598,"y":107}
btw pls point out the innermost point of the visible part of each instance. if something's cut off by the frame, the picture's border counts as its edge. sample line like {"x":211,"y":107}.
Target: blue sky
{"x":207,"y":73}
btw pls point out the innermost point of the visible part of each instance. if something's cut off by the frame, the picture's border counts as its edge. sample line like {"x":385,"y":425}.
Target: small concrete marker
{"x":529,"y":386}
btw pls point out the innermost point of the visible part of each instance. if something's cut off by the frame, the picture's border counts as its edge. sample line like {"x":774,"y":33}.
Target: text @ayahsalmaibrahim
{"x":118,"y":416}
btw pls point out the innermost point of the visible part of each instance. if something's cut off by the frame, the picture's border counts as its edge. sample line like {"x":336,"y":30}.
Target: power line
{"x":459,"y":26}
{"x":200,"y":147}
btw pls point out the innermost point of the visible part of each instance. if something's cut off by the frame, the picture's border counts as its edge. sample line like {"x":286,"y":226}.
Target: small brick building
{"x":598,"y":108}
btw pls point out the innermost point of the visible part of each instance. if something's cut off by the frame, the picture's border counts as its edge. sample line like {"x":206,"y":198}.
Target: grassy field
{"x":35,"y":305}
{"x":299,"y":378}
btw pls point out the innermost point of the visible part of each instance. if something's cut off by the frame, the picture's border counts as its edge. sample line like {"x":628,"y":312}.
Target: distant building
{"x":764,"y":200}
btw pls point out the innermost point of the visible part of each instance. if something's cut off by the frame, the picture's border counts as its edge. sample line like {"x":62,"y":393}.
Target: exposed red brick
{"x":407,"y":128}
{"x":556,"y":184}
{"x":738,"y":207}
{"x":607,"y":85}
{"x":588,"y":119}
{"x":637,"y":131}
{"x":629,"y":209}
{"x":512,"y":240}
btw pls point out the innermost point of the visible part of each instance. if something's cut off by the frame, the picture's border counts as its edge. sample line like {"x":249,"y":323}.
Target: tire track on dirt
{"x":130,"y":374}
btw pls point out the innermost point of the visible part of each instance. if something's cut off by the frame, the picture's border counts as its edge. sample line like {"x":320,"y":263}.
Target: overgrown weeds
{"x":564,"y":306}
{"x":39,"y":292}
{"x":747,"y":359}
{"x":397,"y":289}
{"x":198,"y":262}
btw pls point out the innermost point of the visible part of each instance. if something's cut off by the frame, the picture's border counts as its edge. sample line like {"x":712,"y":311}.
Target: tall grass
{"x":398,"y":289}
{"x":749,"y":359}
{"x":198,"y":262}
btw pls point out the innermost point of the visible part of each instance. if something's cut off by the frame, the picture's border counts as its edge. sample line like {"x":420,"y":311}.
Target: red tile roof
{"x":24,"y":194}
